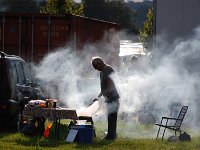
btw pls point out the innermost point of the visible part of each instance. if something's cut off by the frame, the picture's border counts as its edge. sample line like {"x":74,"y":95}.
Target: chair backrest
{"x":181,"y":116}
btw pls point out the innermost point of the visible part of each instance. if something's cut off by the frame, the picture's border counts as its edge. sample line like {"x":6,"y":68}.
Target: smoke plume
{"x":68,"y":75}
{"x":157,"y":85}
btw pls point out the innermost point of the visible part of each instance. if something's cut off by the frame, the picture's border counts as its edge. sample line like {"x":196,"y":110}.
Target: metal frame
{"x":177,"y":125}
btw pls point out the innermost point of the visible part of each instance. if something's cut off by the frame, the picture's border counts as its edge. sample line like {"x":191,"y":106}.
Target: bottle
{"x":54,"y":103}
{"x":47,"y":103}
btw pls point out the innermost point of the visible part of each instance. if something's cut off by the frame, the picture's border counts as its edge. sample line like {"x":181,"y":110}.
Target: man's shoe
{"x":109,"y":138}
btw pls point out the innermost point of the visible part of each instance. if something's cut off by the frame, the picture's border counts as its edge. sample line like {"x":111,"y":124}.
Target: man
{"x":109,"y":91}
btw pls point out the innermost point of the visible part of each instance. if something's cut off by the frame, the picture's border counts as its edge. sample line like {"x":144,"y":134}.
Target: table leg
{"x":57,"y":127}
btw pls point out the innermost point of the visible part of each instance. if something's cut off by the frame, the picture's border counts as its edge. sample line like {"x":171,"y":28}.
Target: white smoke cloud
{"x":170,"y":81}
{"x":146,"y":92}
{"x":69,"y":76}
{"x":62,"y":72}
{"x":173,"y":79}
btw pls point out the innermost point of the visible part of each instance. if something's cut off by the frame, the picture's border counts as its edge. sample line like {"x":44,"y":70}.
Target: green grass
{"x":133,"y":137}
{"x":19,"y":142}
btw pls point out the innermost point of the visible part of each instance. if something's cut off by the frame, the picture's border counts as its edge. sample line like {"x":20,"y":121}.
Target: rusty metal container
{"x":33,"y":35}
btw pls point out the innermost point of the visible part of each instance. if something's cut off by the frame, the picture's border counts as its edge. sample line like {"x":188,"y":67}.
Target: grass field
{"x":133,"y":137}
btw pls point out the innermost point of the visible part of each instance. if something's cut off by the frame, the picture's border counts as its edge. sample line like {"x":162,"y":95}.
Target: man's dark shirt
{"x":108,"y":88}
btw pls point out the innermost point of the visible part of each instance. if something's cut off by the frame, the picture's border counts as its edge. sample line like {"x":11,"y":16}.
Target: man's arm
{"x":100,"y":94}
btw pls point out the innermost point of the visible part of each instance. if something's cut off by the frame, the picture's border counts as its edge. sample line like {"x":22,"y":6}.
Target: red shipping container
{"x":34,"y":35}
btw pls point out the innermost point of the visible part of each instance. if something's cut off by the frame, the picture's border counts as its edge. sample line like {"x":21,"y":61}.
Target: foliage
{"x":145,"y":34}
{"x":60,"y":7}
{"x":113,"y":11}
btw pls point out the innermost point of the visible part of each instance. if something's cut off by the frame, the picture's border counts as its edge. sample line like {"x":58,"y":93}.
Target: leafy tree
{"x":113,"y":11}
{"x":146,"y":33}
{"x":60,"y":7}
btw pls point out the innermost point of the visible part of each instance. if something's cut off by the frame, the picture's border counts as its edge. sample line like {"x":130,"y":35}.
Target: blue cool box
{"x":85,"y":133}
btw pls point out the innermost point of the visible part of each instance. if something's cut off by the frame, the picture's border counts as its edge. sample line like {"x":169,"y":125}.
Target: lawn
{"x":130,"y":136}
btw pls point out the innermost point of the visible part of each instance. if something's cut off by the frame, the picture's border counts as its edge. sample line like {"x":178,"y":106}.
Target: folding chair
{"x":177,"y":125}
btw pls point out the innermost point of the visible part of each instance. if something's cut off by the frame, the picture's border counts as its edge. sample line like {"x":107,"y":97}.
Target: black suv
{"x":16,"y":89}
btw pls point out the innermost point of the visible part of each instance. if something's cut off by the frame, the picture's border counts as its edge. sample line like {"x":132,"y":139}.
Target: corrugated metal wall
{"x":32,"y":36}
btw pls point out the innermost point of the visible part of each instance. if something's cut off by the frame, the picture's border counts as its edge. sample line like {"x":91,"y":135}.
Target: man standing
{"x":109,"y":91}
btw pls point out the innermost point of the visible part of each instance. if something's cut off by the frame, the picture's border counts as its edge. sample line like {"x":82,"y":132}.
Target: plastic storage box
{"x":85,"y":133}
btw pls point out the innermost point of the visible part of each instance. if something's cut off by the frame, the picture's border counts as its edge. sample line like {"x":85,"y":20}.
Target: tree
{"x":60,"y":7}
{"x":146,"y":33}
{"x":112,"y":11}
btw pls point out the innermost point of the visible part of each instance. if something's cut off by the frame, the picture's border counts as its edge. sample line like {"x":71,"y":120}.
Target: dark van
{"x":16,"y":89}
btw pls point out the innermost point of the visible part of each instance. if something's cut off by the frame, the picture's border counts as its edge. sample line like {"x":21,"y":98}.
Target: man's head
{"x":98,"y":63}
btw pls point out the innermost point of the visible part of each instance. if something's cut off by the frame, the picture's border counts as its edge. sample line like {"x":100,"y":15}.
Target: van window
{"x":13,"y":71}
{"x":27,"y":72}
{"x":20,"y":73}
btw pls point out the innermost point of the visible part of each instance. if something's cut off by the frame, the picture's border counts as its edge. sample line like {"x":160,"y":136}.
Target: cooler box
{"x":85,"y":133}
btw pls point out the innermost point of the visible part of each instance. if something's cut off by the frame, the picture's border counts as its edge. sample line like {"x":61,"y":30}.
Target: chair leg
{"x":158,"y":133}
{"x":163,"y":133}
{"x":180,"y":133}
